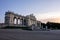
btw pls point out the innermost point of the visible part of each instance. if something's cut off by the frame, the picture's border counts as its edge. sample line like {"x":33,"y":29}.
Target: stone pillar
{"x":14,"y":21}
{"x":20,"y":21}
{"x":17,"y":21}
{"x":23,"y":21}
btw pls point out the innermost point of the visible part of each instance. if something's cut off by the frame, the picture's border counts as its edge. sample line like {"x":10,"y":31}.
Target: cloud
{"x":56,"y":20}
{"x":48,"y":16}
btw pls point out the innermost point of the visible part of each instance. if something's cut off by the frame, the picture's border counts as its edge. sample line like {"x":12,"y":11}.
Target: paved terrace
{"x":18,"y":34}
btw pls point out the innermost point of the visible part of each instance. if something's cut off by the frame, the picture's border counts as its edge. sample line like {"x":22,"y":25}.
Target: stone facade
{"x":12,"y":19}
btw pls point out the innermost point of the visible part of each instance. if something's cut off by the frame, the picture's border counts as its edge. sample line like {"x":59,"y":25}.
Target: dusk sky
{"x":43,"y":10}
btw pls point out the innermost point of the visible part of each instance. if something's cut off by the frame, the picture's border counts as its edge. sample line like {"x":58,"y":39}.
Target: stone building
{"x":12,"y":19}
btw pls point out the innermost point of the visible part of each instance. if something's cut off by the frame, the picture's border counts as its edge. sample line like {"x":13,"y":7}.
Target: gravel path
{"x":18,"y":34}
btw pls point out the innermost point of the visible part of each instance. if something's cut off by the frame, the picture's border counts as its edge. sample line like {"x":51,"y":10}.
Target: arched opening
{"x":18,"y":21}
{"x":15,"y":21}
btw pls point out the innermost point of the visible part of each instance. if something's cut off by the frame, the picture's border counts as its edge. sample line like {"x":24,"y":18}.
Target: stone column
{"x":23,"y":21}
{"x":17,"y":21}
{"x":20,"y":20}
{"x":14,"y":21}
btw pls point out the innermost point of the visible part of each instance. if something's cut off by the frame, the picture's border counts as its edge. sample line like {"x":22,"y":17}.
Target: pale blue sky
{"x":42,"y":9}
